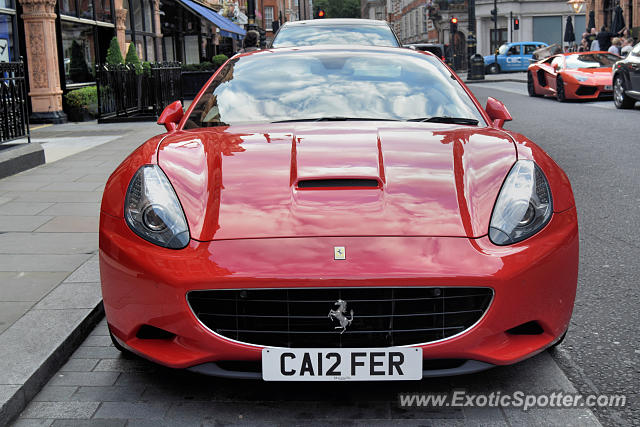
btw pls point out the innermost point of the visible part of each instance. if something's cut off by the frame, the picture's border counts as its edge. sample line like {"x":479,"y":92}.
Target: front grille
{"x":586,"y":90}
{"x":382,"y":317}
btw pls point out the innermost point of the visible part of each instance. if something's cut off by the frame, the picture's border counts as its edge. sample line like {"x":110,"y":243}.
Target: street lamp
{"x":577,"y":5}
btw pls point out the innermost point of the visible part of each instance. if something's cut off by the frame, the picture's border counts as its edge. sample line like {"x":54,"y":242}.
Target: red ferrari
{"x":585,"y":75}
{"x":324,"y":213}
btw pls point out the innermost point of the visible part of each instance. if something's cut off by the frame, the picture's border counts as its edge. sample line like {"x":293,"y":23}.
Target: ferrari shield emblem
{"x":339,"y":253}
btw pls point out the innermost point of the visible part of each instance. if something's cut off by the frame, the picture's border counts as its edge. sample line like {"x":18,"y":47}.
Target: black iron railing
{"x":14,"y":116}
{"x":126,"y":94}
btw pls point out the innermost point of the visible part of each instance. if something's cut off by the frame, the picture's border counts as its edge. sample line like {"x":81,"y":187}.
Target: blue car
{"x":514,"y":56}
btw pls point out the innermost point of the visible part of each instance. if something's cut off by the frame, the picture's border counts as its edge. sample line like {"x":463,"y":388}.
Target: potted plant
{"x":82,"y":104}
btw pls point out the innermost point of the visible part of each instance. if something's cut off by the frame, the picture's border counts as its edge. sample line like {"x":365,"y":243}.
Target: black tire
{"x":493,"y":69}
{"x":531,"y":86}
{"x":560,"y":96}
{"x":620,"y":99}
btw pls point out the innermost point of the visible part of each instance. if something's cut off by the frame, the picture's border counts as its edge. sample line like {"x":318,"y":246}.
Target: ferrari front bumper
{"x":533,"y":281}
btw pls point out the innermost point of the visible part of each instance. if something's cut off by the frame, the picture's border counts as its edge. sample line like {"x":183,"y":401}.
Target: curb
{"x":16,"y":158}
{"x":11,"y":406}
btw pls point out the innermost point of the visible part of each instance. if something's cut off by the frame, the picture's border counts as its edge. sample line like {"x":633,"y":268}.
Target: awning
{"x":227,"y":28}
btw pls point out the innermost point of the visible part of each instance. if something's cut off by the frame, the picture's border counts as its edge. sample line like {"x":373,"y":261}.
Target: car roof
{"x":335,"y":21}
{"x":335,"y":48}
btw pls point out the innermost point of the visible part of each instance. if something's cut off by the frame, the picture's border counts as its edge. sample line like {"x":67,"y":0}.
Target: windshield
{"x":267,"y":87}
{"x":502,"y":50}
{"x":592,"y":60}
{"x":309,"y":35}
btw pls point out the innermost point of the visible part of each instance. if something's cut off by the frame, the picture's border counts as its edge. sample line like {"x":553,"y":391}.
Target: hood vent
{"x":339,"y":183}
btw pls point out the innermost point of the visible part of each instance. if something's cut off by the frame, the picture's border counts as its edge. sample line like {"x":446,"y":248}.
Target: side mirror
{"x":497,"y":112}
{"x":171,"y":116}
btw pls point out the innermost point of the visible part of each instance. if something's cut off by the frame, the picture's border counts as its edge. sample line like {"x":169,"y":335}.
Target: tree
{"x":132,"y":58}
{"x":78,"y":69}
{"x":114,"y":55}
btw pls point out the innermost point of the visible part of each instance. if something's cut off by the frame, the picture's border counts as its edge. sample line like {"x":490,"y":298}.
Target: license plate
{"x":341,"y":364}
{"x":608,"y":87}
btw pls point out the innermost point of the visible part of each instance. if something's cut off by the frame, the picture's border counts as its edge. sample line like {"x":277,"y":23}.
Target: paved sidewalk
{"x":97,"y":386}
{"x":49,"y":280}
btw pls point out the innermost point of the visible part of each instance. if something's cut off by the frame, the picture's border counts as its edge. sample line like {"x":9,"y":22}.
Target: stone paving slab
{"x":136,"y":392}
{"x":49,"y":279}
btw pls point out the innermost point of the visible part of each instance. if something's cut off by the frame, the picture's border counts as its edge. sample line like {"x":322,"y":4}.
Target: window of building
{"x":78,"y":52}
{"x":497,"y":38}
{"x":268,"y":18}
{"x":7,"y":43}
{"x":547,"y":29}
{"x":68,"y":7}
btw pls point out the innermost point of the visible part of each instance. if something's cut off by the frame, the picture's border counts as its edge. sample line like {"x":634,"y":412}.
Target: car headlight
{"x":582,"y":79}
{"x":524,"y":205}
{"x":152,"y":209}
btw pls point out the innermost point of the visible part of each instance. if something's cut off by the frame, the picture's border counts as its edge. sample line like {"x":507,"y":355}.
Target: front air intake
{"x":339,"y":183}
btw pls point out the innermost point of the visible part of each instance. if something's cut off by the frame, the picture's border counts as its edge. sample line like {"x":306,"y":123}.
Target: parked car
{"x":584,"y":75}
{"x":438,"y":49}
{"x":329,"y":213}
{"x":340,"y":31}
{"x":626,"y":80}
{"x":512,"y":57}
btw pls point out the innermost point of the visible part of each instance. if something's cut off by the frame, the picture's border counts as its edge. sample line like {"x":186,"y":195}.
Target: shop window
{"x":168,"y":48}
{"x":136,"y":14}
{"x":148,"y":13}
{"x":7,"y":49}
{"x":78,"y":52}
{"x":85,"y":9}
{"x":67,"y":7}
{"x":125,"y":5}
{"x":151,"y":51}
{"x":103,"y":10}
{"x":547,"y":29}
{"x":497,"y":38}
{"x":7,"y":4}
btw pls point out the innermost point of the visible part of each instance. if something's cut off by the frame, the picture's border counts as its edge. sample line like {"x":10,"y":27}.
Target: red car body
{"x":253,"y":226}
{"x":581,"y":83}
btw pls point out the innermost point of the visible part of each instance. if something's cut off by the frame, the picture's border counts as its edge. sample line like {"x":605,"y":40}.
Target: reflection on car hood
{"x":244,"y":181}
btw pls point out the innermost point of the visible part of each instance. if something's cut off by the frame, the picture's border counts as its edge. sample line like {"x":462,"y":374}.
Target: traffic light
{"x":454,"y":25}
{"x":494,"y":15}
{"x":516,"y":23}
{"x":320,"y":14}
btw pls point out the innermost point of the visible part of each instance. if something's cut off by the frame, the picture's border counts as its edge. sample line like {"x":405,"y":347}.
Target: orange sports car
{"x":583,"y":75}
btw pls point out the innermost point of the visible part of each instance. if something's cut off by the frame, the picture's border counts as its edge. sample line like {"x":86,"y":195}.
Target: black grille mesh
{"x":382,"y":317}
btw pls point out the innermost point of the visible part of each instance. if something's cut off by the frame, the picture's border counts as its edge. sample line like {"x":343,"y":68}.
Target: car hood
{"x":599,"y":75}
{"x":247,"y":181}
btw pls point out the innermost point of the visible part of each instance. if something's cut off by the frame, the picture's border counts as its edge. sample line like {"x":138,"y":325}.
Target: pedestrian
{"x":595,"y":46}
{"x":615,"y":46}
{"x":584,"y":46}
{"x":604,"y":39}
{"x":250,"y":42}
{"x":627,"y":46}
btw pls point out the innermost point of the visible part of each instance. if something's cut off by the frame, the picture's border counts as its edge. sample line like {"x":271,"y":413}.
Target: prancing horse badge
{"x":339,"y":252}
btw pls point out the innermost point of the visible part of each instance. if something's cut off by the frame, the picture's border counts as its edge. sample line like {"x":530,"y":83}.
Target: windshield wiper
{"x":446,"y":119}
{"x":335,"y":119}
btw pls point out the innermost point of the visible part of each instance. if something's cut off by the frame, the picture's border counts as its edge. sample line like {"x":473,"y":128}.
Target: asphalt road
{"x":599,"y":149}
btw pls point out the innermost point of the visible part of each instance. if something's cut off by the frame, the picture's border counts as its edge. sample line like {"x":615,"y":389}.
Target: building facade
{"x":539,"y":20}
{"x":61,"y":41}
{"x":420,"y":21}
{"x":603,"y":13}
